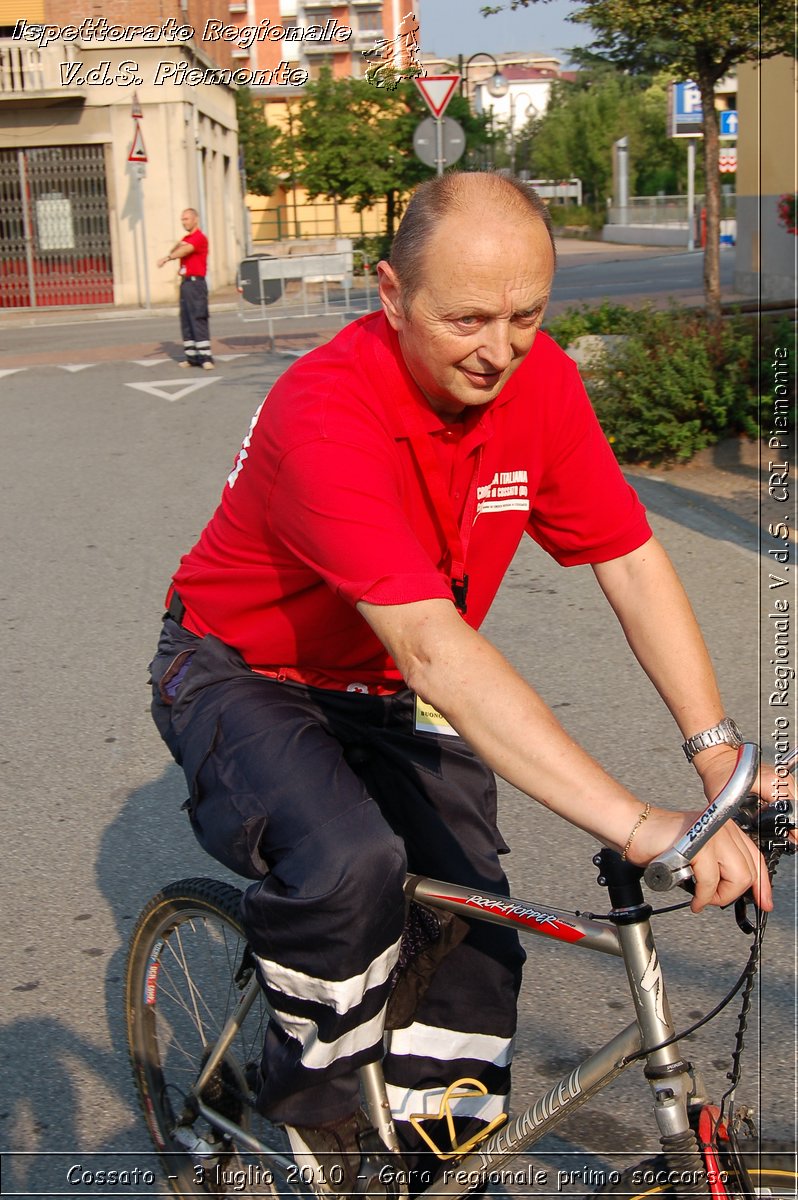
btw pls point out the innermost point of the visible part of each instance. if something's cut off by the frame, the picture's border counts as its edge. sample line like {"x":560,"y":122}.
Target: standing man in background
{"x":192,"y":253}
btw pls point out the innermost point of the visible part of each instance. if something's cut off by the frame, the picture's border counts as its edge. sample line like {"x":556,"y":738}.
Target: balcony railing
{"x":26,"y":70}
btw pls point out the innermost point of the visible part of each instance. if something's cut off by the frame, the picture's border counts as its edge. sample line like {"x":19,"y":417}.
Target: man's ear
{"x":391,"y":296}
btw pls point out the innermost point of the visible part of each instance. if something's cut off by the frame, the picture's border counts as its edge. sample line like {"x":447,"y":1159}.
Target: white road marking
{"x":178,"y":387}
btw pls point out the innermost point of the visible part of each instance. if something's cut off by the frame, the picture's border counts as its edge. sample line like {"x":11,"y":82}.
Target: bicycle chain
{"x":735,"y":1074}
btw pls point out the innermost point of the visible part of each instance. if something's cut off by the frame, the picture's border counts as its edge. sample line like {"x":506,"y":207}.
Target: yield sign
{"x":137,"y":151}
{"x":437,"y":91}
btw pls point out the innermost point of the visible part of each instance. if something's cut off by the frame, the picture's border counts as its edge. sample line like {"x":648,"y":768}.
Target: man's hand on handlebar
{"x":724,"y":861}
{"x":728,"y":865}
{"x":716,"y":765}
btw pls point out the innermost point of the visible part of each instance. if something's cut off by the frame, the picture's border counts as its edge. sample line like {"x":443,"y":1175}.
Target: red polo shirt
{"x":333,"y":500}
{"x":196,"y":263}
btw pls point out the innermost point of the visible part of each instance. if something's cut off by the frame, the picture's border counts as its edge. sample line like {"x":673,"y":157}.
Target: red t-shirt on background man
{"x":195,"y":263}
{"x":332,"y":500}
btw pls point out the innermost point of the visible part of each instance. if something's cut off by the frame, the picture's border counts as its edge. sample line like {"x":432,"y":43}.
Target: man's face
{"x":475,"y":315}
{"x":189,"y":220}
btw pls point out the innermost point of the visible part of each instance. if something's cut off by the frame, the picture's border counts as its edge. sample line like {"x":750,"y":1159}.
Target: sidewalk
{"x":224,"y":299}
{"x":726,"y":475}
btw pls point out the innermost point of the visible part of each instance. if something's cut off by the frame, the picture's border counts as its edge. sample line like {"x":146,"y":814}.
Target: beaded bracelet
{"x":643,"y":816}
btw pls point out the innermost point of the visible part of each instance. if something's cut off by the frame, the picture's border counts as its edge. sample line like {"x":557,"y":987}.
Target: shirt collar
{"x":406,"y":407}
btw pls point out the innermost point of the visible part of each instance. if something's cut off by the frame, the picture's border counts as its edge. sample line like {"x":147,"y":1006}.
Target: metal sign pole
{"x":439,"y":156}
{"x":140,"y":171}
{"x":137,"y":162}
{"x":691,"y":194}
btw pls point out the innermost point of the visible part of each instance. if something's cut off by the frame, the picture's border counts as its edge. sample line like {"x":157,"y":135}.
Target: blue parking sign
{"x":686,"y":112}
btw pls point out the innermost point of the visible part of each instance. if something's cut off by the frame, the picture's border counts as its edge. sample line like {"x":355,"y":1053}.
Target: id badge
{"x":428,"y":720}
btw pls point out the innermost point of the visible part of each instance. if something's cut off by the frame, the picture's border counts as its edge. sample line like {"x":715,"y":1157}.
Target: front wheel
{"x":188,"y":965}
{"x":770,"y":1165}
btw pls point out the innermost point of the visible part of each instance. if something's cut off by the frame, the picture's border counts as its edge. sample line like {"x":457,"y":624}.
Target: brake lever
{"x":744,"y":923}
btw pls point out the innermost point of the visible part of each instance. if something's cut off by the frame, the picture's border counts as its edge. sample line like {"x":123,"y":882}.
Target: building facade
{"x":81,"y":223}
{"x":766,"y":170}
{"x":312,"y":34}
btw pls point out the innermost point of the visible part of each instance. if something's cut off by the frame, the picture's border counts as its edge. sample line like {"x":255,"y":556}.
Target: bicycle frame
{"x":630,"y":938}
{"x":671,"y":1079}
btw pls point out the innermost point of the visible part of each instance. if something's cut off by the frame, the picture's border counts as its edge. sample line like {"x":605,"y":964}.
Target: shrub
{"x":775,"y":329}
{"x":577,"y":216}
{"x":674,"y":384}
{"x":604,"y":318}
{"x":677,"y":385}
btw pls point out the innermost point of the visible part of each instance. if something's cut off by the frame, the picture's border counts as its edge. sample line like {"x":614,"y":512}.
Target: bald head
{"x":473,"y":198}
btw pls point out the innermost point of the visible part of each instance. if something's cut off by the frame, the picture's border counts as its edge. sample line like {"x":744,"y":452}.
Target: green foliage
{"x":604,"y":318}
{"x":576,"y":135}
{"x":775,"y":329}
{"x":354,"y":141}
{"x":370,"y":250}
{"x":340,"y":125}
{"x":673,"y":384}
{"x":702,"y":42}
{"x":259,"y":144}
{"x":685,"y":37}
{"x":576,"y":216}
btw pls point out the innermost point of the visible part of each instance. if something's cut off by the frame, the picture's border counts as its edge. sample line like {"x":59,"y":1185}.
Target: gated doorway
{"x":55,"y":242}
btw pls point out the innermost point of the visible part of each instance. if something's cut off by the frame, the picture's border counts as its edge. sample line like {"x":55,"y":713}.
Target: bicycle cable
{"x":745,"y":980}
{"x":655,"y":912}
{"x":691,"y":1029}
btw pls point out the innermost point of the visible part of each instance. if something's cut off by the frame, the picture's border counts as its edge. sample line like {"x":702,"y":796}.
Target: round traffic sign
{"x":424,"y":141}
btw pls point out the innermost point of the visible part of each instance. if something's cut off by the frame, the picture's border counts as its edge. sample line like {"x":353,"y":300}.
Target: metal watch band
{"x":724,"y":733}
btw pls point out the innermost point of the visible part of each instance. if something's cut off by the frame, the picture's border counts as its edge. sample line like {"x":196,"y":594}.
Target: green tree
{"x":700,"y":41}
{"x":354,"y":141}
{"x":259,"y":145}
{"x":576,"y":134}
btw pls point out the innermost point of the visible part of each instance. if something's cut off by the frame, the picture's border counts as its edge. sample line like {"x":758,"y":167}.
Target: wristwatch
{"x":724,"y":733}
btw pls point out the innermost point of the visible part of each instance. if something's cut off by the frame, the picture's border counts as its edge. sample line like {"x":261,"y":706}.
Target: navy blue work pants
{"x":194,"y":320}
{"x":326,"y":799}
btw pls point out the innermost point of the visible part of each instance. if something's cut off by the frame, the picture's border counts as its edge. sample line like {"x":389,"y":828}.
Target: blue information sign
{"x":686,"y":111}
{"x":728,"y":123}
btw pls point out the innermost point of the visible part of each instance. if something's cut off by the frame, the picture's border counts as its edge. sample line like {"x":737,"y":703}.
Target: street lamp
{"x":514,"y":97}
{"x":497,"y":84}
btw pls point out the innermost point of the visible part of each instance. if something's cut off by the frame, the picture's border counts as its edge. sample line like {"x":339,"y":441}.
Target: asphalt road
{"x":108,"y":474}
{"x":585,"y":274}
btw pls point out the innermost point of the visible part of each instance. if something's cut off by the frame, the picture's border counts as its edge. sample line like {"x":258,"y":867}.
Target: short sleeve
{"x":584,"y":510}
{"x":338,"y":508}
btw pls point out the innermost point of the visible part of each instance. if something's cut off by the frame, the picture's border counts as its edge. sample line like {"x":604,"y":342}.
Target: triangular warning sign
{"x":437,"y":91}
{"x":137,"y":151}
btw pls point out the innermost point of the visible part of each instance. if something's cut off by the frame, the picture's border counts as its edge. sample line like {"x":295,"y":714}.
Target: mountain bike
{"x":196,"y":1019}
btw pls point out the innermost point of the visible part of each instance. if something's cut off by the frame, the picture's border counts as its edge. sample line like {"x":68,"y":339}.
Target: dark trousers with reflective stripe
{"x":194,"y":321}
{"x":326,"y":799}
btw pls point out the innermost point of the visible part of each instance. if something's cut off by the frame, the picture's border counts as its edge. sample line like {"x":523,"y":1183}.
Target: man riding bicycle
{"x":322,"y":680}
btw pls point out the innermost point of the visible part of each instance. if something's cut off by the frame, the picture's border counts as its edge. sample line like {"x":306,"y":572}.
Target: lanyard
{"x":456,"y":536}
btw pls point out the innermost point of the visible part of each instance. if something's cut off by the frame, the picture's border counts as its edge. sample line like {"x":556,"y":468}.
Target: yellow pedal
{"x":461,"y":1090}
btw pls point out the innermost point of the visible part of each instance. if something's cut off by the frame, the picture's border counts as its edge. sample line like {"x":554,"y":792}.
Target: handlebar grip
{"x":672,"y":867}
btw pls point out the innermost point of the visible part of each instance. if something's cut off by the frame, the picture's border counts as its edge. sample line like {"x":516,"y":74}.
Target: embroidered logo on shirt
{"x":507,"y":490}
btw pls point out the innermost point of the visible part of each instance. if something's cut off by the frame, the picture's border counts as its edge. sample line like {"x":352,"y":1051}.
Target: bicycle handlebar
{"x":673,"y":867}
